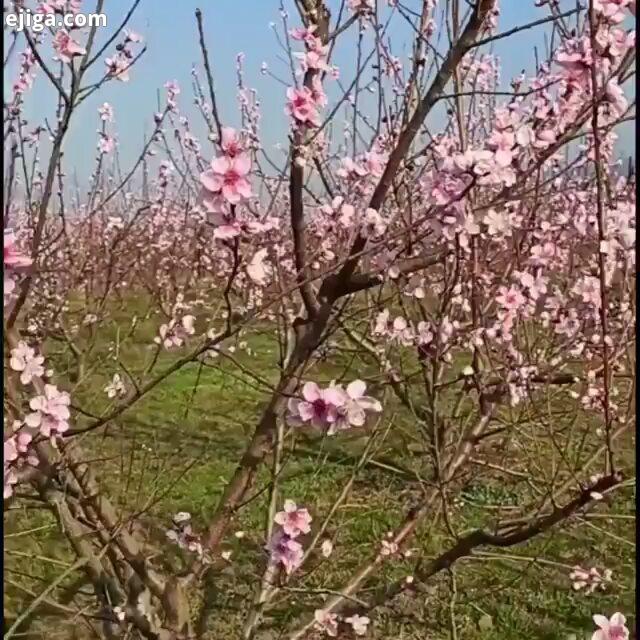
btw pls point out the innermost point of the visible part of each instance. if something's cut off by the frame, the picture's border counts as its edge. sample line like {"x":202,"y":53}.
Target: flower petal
{"x":242,"y":164}
{"x":601,"y":621}
{"x":356,"y":389}
{"x":210,"y":180}
{"x":311,"y":392}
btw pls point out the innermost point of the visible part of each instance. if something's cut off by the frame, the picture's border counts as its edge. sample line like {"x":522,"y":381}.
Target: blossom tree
{"x":469,"y":291}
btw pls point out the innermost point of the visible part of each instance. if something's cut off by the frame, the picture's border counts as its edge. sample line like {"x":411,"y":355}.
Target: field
{"x":176,"y":447}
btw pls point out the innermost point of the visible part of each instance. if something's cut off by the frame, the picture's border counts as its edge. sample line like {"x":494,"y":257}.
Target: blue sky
{"x":232,"y":26}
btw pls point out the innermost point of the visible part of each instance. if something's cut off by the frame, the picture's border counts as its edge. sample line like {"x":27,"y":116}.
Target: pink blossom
{"x":568,"y":324}
{"x":575,"y":59}
{"x":285,"y":551}
{"x":293,"y":520}
{"x":612,"y":10}
{"x":388,"y":548}
{"x":227,"y":176}
{"x":525,"y":136}
{"x":613,"y":628}
{"x":350,"y":169}
{"x":470,"y":226}
{"x":425,"y":335}
{"x":181,"y":517}
{"x":498,"y":223}
{"x":132,"y":36}
{"x":360,"y":5}
{"x":106,"y":144}
{"x":10,"y":450}
{"x":13,"y":259}
{"x":510,"y":298}
{"x":352,"y":412}
{"x":446,"y":329}
{"x":502,"y":142}
{"x":66,"y":47}
{"x":616,"y":99}
{"x":373,"y":224}
{"x":227,"y":231}
{"x":23,"y":440}
{"x":174,"y":334}
{"x":319,"y":407}
{"x":544,"y":138}
{"x":397,"y":330}
{"x":326,"y":621}
{"x":588,"y":288}
{"x":318,"y":95}
{"x":257,"y":269}
{"x":24,"y":359}
{"x":314,"y":59}
{"x":590,"y":580}
{"x":50,"y":411}
{"x":500,"y":175}
{"x":465,"y":161}
{"x":10,"y":479}
{"x":302,"y":33}
{"x":106,"y":112}
{"x":326,"y":548}
{"x":118,"y":67}
{"x":116,"y":387}
{"x":536,"y":285}
{"x":9,"y":286}
{"x":302,"y":107}
{"x":541,"y":255}
{"x":373,"y":163}
{"x":616,"y":42}
{"x":358,"y":623}
{"x":347,"y":216}
{"x":183,"y":534}
{"x":16,"y":445}
{"x":172,"y":87}
{"x":230,"y":142}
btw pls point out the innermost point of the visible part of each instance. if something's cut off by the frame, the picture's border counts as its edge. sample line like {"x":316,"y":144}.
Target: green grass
{"x":174,"y":450}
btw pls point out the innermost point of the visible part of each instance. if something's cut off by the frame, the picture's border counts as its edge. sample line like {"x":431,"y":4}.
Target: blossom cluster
{"x":14,"y":263}
{"x":225,"y":182}
{"x":116,"y":387}
{"x":66,"y":47}
{"x":119,"y":64}
{"x":334,"y":408}
{"x":303,"y":102}
{"x":49,"y":411}
{"x":284,"y":548}
{"x":286,"y":551}
{"x":589,"y":580}
{"x":17,"y":455}
{"x":48,"y":414}
{"x":175,"y":332}
{"x":25,"y":79}
{"x":328,"y":623}
{"x":182,"y":534}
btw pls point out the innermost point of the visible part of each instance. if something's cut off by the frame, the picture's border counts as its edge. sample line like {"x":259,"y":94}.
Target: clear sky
{"x":232,"y":26}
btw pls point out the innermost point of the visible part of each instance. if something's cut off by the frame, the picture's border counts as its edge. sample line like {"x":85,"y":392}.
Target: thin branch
{"x":207,"y":68}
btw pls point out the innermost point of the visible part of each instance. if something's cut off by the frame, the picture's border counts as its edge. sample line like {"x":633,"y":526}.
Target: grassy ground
{"x":176,"y":448}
